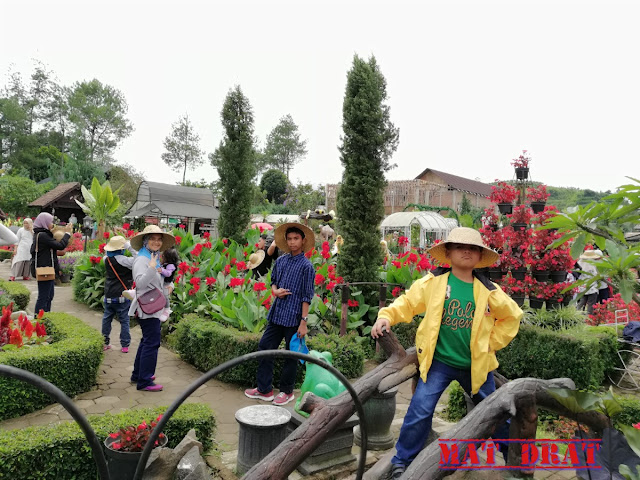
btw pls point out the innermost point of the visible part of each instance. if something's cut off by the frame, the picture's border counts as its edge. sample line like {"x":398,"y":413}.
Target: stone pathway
{"x":115,"y":393}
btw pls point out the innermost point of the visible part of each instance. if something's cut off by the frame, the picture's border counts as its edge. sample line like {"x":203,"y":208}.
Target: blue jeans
{"x":144,"y":366}
{"x":121,"y":311}
{"x":45,"y":295}
{"x":270,"y":340}
{"x":417,"y":422}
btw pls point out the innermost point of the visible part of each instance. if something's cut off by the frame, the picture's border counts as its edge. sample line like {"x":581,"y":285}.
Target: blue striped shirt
{"x":297,"y":275}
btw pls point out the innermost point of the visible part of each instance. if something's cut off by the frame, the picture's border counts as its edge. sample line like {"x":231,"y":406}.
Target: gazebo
{"x":163,"y":203}
{"x":61,"y":201}
{"x":433,"y":226}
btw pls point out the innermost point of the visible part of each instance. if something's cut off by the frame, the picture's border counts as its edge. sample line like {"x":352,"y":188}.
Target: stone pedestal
{"x":335,"y":450}
{"x":379,"y":411}
{"x":261,"y":429}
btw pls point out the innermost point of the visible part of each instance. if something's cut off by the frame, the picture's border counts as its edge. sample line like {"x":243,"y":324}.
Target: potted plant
{"x":537,"y":197}
{"x":536,"y":292}
{"x":520,"y":218}
{"x":124,"y":448}
{"x":514,"y":288}
{"x":503,"y":195}
{"x":67,"y":264}
{"x":521,"y":165}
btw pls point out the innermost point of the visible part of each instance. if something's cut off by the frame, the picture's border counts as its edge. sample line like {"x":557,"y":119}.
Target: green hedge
{"x":584,"y":355}
{"x":18,"y":293}
{"x":70,"y":362}
{"x":60,"y":451}
{"x":5,"y":255}
{"x":207,"y":344}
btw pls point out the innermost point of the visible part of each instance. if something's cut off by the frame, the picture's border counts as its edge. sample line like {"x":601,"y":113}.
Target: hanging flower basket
{"x":496,"y":274}
{"x":558,"y":276}
{"x":519,"y":273}
{"x":505,"y":208}
{"x":536,"y":302}
{"x":553,"y":304}
{"x":541,"y":275}
{"x":522,"y":173}
{"x":519,"y":226}
{"x":566,"y":300}
{"x":538,"y":207}
{"x":518,"y":298}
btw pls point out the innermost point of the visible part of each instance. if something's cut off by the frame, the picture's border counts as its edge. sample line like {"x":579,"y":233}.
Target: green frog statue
{"x":319,"y":381}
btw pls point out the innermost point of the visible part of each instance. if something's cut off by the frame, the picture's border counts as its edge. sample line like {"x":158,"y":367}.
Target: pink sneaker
{"x":283,"y":398}
{"x":155,"y":387}
{"x":106,"y":347}
{"x":126,"y":350}
{"x":255,"y":393}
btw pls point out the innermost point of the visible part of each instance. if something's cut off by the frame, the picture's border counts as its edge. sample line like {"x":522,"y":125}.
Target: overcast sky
{"x":470,"y":84}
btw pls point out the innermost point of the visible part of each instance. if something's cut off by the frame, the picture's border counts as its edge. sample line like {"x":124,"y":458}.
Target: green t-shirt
{"x":454,"y":339}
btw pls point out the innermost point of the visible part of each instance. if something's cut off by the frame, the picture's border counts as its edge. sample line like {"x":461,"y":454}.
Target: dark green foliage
{"x":274,"y":183}
{"x":234,"y":160}
{"x":70,"y":362}
{"x":206,"y":344}
{"x":457,"y":405}
{"x":630,"y":414}
{"x":88,"y":282}
{"x":20,"y":295}
{"x":284,"y":147}
{"x":52,"y":452}
{"x":556,"y":319}
{"x":368,"y":142}
{"x":5,"y":255}
{"x":17,"y":192}
{"x":583,"y":355}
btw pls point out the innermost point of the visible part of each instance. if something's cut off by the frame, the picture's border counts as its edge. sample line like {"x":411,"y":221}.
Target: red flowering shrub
{"x":23,"y":330}
{"x":403,"y":241}
{"x":259,"y":287}
{"x":503,"y":193}
{"x":236,"y":282}
{"x":134,"y":439}
{"x":606,"y":312}
{"x":537,"y":194}
{"x":522,"y":161}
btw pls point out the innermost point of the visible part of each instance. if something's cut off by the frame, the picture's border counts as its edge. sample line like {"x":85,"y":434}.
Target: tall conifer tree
{"x":368,"y":141}
{"x":235,"y":161}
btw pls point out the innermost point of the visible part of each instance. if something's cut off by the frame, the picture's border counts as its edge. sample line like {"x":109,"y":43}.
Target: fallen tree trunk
{"x":326,"y":415}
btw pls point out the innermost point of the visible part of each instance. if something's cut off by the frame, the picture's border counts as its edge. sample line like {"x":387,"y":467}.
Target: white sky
{"x":471,"y":83}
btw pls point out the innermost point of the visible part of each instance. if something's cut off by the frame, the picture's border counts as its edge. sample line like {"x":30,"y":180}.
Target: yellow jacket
{"x":495,"y":323}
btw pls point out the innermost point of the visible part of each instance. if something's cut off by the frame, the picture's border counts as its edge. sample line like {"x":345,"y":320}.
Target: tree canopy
{"x":285,"y":146}
{"x":182,"y":147}
{"x":274,"y":183}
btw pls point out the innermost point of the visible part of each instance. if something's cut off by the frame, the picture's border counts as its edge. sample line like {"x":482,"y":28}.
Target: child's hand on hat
{"x":382,"y":325}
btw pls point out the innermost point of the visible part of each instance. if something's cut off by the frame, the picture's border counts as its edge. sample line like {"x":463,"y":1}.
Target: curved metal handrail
{"x":60,"y":397}
{"x":237,"y":361}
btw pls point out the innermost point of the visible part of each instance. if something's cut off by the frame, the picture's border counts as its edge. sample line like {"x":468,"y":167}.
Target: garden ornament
{"x":319,"y":381}
{"x":466,"y":236}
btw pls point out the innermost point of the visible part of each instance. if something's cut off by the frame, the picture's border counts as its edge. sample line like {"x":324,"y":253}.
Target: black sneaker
{"x":397,"y":471}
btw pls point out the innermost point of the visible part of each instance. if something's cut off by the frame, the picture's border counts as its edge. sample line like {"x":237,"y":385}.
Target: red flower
{"x":41,"y":331}
{"x":424,"y":264}
{"x":396,"y":263}
{"x":105,"y":235}
{"x":206,"y":235}
{"x":126,"y":226}
{"x":210,"y":281}
{"x":28,"y":329}
{"x":207,"y":244}
{"x":101,"y":247}
{"x":241,"y":266}
{"x":225,"y":241}
{"x":183,"y":267}
{"x":194,"y":270}
{"x":194,"y":281}
{"x":396,"y":291}
{"x":331,"y":286}
{"x":131,"y":233}
{"x":259,"y":287}
{"x":320,"y":279}
{"x":339,"y":280}
{"x":227,"y":269}
{"x":40,"y":314}
{"x":402,"y":241}
{"x":197,"y":250}
{"x":236,"y":282}
{"x":310,"y":253}
{"x":233,"y":261}
{"x":194,"y":290}
{"x":16,"y":338}
{"x":181,"y":226}
{"x":178,"y":239}
{"x":636,"y":425}
{"x":352,"y":303}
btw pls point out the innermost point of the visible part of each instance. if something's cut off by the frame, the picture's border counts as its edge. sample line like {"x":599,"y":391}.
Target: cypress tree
{"x":368,"y":141}
{"x":234,"y":160}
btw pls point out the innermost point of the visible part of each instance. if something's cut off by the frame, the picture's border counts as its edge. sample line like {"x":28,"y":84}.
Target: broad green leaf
{"x":633,"y":437}
{"x":575,"y":401}
{"x":578,"y":245}
{"x":611,"y":407}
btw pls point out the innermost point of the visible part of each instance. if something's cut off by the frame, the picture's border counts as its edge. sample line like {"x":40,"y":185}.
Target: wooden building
{"x":61,"y":201}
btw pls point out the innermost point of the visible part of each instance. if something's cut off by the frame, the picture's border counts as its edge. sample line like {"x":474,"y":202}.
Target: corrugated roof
{"x":460,"y":183}
{"x":55,"y":194}
{"x":162,"y":199}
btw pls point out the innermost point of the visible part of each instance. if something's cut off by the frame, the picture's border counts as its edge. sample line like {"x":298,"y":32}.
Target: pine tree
{"x":235,"y":161}
{"x":368,"y":142}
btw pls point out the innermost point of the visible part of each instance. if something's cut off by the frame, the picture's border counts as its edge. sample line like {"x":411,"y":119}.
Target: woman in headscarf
{"x":146,"y":275}
{"x":20,"y":265}
{"x":46,"y":256}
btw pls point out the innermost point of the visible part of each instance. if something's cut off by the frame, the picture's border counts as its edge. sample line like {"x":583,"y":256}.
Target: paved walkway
{"x":115,"y":393}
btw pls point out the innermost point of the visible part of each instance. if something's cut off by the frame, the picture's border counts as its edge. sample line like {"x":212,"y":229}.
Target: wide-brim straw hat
{"x":591,"y":255}
{"x":281,"y":241}
{"x":168,"y":240}
{"x":466,"y":236}
{"x":115,"y":243}
{"x":255,"y":259}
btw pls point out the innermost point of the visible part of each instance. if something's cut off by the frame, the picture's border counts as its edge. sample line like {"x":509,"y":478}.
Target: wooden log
{"x":326,"y":415}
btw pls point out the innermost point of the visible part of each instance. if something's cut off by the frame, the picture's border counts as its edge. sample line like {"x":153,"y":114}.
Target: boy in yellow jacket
{"x":467,"y":319}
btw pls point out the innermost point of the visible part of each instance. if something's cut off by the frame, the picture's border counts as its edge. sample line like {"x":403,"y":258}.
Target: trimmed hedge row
{"x":583,"y":355}
{"x":59,"y":451}
{"x":18,"y":293}
{"x":207,"y":344}
{"x":70,"y":362}
{"x":5,"y":255}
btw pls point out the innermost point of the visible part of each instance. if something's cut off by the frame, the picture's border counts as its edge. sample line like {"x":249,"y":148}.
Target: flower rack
{"x":541,"y":275}
{"x":505,"y":208}
{"x":558,"y":276}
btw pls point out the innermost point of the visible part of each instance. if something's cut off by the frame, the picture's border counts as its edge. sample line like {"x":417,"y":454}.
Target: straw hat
{"x":168,"y":240}
{"x":255,"y":259}
{"x":281,"y":242}
{"x":591,"y":255}
{"x":466,"y":236}
{"x":115,"y":243}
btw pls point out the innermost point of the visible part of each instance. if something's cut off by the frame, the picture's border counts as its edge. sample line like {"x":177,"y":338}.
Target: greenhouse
{"x":431,"y":226}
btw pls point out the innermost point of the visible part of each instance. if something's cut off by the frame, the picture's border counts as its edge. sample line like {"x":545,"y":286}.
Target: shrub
{"x":51,"y":452}
{"x":88,"y":281}
{"x":457,"y":405}
{"x":206,"y":344}
{"x":70,"y":362}
{"x":630,"y":413}
{"x":564,"y":318}
{"x":5,"y":255}
{"x":19,"y":294}
{"x":583,"y":354}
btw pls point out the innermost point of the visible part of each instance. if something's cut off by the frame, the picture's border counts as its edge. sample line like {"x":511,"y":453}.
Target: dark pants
{"x":588,"y":300}
{"x":144,"y":366}
{"x":417,"y":421}
{"x":121,"y":312}
{"x":45,"y":295}
{"x":270,"y":340}
{"x":604,"y":294}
